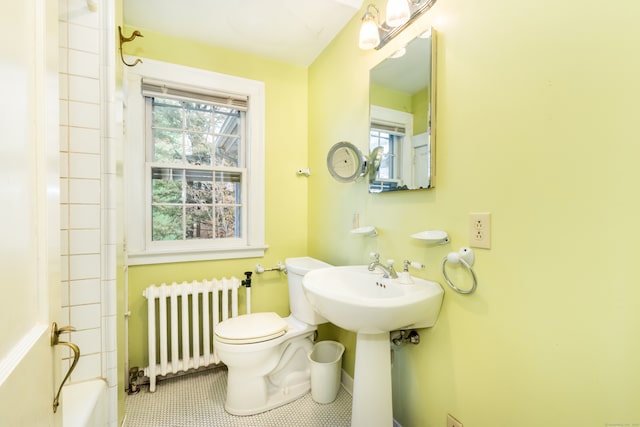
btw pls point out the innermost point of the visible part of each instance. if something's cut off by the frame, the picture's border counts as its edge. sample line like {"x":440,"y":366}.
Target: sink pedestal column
{"x":372,"y":404}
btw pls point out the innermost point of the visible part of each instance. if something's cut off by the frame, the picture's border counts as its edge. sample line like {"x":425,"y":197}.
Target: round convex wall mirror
{"x":346,"y":162}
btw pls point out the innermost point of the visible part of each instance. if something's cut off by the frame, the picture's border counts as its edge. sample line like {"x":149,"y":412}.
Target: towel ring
{"x":464,"y":257}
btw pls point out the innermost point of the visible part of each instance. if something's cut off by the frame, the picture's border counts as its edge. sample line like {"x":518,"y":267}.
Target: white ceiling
{"x":292,"y":31}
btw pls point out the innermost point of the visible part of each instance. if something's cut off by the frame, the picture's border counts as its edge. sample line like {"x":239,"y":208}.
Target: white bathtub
{"x":84,"y":404}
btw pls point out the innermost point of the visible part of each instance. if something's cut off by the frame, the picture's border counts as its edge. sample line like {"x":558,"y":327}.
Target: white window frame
{"x":139,"y":248}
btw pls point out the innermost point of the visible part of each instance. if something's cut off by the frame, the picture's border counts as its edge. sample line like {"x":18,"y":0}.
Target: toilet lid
{"x":251,"y":328}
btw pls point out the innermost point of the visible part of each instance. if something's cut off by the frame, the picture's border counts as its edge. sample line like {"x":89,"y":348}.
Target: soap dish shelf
{"x":434,"y":237}
{"x":368,"y":230}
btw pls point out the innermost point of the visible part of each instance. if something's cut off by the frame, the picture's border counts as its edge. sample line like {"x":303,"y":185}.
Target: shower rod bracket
{"x":124,"y":40}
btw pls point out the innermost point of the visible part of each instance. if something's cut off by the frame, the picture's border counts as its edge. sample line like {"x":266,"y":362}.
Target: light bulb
{"x":369,"y":35}
{"x":397,"y":12}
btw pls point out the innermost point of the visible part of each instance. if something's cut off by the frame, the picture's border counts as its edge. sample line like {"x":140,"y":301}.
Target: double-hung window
{"x":197,"y":176}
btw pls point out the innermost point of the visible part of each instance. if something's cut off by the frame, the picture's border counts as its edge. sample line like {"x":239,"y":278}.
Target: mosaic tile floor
{"x":197,"y":400}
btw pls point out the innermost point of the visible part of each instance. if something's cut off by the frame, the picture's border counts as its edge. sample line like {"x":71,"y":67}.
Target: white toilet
{"x":266,"y":355}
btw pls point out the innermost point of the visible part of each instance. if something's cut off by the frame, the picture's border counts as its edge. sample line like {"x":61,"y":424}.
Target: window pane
{"x":166,"y":185}
{"x":199,"y":187}
{"x":167,"y":113}
{"x":199,"y":116}
{"x":390,"y":144}
{"x":385,"y":171}
{"x":167,"y":146}
{"x":198,"y":148}
{"x":166,"y":222}
{"x":227,"y":222}
{"x":199,"y":221}
{"x":227,"y":121}
{"x":228,"y":188}
{"x":227,"y":151}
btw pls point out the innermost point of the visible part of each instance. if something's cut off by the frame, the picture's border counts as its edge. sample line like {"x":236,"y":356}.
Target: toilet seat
{"x":251,"y":328}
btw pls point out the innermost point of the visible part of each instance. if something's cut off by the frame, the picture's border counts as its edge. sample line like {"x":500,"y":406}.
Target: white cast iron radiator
{"x":186,"y":312}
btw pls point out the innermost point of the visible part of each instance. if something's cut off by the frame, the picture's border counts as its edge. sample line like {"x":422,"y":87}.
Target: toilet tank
{"x":300,"y":307}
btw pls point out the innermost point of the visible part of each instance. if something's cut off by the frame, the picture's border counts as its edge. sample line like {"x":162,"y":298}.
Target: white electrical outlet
{"x":452,"y":422}
{"x":480,"y":230}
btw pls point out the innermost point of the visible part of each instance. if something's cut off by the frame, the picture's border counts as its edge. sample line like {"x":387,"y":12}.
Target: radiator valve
{"x":247,"y":282}
{"x":134,"y":374}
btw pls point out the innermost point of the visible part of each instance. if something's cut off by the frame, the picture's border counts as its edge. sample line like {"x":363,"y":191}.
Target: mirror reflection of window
{"x":392,"y":130}
{"x":391,"y":139}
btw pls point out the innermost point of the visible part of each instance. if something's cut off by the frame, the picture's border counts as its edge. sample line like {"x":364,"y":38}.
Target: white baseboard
{"x":347,"y":382}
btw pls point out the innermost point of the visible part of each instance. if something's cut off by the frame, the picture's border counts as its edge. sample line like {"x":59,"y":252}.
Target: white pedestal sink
{"x":366,"y":303}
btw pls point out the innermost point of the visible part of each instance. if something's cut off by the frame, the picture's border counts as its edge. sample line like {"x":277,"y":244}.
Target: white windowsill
{"x":163,"y":257}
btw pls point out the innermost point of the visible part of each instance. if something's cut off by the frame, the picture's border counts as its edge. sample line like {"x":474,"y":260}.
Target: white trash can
{"x":326,"y":364}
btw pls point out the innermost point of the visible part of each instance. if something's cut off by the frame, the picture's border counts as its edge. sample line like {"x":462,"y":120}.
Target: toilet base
{"x":267,"y":398}
{"x":250,"y":394}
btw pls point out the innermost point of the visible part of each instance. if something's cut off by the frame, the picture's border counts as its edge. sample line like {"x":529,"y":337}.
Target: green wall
{"x":417,"y":104}
{"x":389,"y":98}
{"x":537,"y":112}
{"x":285,"y":193}
{"x":420,"y":103}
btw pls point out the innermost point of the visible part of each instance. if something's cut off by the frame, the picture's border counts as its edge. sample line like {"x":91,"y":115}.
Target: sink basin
{"x":362,"y":301}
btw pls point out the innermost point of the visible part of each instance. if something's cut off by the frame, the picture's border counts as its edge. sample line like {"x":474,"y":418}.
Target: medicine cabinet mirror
{"x":402,"y":117}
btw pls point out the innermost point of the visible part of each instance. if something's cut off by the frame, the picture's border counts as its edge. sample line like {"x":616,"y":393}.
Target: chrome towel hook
{"x":465,"y":257}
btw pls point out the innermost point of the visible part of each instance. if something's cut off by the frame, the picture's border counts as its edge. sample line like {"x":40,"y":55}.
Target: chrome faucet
{"x":389,"y":271}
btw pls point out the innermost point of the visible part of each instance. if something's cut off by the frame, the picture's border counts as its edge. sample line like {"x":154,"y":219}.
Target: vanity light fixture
{"x":399,"y":15}
{"x":398,"y":12}
{"x":369,"y":34}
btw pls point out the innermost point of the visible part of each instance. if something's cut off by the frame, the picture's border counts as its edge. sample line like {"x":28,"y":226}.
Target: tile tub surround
{"x":86,"y":206}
